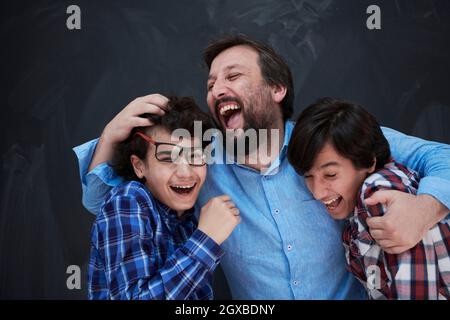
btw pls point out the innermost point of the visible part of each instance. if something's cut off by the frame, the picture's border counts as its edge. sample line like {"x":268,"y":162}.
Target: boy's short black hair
{"x":183,"y":111}
{"x":352,"y":130}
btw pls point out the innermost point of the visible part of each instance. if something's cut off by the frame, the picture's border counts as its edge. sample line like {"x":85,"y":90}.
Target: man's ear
{"x":278,"y":93}
{"x":138,"y":166}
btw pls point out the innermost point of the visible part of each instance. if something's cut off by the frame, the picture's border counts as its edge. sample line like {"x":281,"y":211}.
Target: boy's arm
{"x":97,"y":177}
{"x":409,"y":217}
{"x":127,"y":245}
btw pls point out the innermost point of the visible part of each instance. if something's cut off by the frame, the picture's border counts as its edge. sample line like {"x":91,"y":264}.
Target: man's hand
{"x":406,"y":221}
{"x":119,"y":128}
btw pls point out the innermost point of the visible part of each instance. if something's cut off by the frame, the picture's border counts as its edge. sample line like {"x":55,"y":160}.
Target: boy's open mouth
{"x":333,"y":203}
{"x":231,"y":115}
{"x":183,"y":189}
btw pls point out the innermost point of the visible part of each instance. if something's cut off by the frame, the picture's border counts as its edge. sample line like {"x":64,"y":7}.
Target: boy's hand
{"x":119,"y":128}
{"x":218,"y":217}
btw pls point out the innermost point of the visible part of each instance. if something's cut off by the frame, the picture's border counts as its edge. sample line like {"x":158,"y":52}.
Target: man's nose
{"x":219,"y":89}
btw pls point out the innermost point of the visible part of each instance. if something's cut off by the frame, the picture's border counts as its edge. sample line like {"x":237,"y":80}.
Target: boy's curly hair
{"x":183,"y":111}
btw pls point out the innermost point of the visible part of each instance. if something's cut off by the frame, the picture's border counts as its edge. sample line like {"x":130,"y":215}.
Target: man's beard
{"x":257,"y":114}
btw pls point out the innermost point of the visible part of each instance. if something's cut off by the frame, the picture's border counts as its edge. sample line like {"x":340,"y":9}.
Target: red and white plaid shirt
{"x":422,"y":272}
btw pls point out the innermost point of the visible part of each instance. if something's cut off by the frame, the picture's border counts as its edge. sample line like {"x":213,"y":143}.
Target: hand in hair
{"x":119,"y":128}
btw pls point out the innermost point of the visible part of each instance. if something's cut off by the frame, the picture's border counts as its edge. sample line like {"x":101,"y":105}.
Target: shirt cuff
{"x":103,"y":171}
{"x":106,"y":174}
{"x":436,"y":187}
{"x":84,"y":154}
{"x":204,"y":249}
{"x":96,"y":183}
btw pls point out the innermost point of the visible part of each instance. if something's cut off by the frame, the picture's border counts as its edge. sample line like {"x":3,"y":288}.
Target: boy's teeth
{"x":229,"y":107}
{"x":331,"y":201}
{"x":184,"y":187}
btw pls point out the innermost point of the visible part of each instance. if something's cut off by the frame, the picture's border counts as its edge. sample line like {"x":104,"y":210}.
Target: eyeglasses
{"x":169,"y":152}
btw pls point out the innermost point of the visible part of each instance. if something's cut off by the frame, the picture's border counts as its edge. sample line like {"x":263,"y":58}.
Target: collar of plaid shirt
{"x":170,"y":216}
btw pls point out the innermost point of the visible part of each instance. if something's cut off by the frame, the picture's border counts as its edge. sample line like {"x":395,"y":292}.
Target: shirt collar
{"x":275,"y":166}
{"x":170,"y":215}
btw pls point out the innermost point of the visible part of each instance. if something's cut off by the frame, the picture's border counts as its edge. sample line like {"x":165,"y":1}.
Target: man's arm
{"x":97,"y":177}
{"x":409,"y":217}
{"x":430,"y":159}
{"x":123,"y":235}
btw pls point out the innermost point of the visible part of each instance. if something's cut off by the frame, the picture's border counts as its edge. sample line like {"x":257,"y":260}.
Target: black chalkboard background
{"x":59,"y":88}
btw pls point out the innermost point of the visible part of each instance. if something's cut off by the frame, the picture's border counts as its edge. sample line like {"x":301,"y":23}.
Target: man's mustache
{"x":227,"y":99}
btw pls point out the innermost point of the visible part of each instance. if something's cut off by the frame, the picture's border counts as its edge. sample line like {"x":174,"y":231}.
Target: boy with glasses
{"x":145,"y":240}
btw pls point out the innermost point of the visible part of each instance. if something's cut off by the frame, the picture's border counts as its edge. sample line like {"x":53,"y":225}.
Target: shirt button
{"x":276,"y":211}
{"x":289,"y":247}
{"x":295,"y":282}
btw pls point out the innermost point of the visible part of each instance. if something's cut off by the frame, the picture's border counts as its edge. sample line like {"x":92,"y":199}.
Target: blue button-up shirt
{"x":287,"y":246}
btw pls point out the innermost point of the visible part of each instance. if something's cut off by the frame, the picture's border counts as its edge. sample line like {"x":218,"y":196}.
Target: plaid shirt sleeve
{"x":419,"y":273}
{"x":363,"y":253}
{"x":123,"y":237}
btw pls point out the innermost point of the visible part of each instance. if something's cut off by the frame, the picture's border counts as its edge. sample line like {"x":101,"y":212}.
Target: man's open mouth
{"x":231,"y":115}
{"x":183,"y":189}
{"x":333,"y":203}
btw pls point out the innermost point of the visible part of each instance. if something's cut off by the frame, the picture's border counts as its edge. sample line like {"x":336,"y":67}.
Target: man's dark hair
{"x":353,"y":131}
{"x":274,"y":69}
{"x":183,"y":111}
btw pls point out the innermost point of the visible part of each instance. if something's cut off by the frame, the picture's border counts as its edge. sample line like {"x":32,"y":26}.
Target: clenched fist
{"x":218,"y":218}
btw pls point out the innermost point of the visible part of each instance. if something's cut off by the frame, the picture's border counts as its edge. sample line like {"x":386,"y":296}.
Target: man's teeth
{"x":229,"y":107}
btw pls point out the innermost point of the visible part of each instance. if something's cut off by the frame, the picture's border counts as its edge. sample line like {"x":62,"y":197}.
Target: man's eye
{"x":233,"y":76}
{"x":330,"y":175}
{"x":210,"y":86}
{"x":307,"y":176}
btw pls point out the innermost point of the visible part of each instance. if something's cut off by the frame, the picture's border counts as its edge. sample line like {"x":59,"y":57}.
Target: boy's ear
{"x":138,"y":166}
{"x":372,"y":168}
{"x":278,"y":93}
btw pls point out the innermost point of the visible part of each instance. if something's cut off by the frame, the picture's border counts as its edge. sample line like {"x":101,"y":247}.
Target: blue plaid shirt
{"x":141,"y":250}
